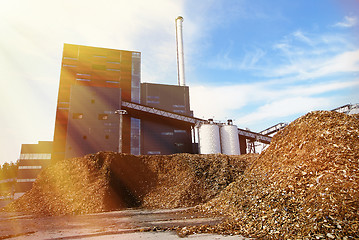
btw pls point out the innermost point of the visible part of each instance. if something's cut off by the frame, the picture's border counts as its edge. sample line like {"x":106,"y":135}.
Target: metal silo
{"x":209,"y":140}
{"x":230,"y":139}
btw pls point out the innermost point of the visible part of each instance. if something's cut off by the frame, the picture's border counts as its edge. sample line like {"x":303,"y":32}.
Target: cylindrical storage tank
{"x":230,"y":139}
{"x":208,"y":139}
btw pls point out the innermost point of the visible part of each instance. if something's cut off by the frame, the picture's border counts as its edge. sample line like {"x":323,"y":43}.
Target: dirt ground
{"x":126,"y":224}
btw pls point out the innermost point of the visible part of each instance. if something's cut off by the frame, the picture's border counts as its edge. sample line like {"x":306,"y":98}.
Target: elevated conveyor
{"x":273,"y":129}
{"x":140,"y":111}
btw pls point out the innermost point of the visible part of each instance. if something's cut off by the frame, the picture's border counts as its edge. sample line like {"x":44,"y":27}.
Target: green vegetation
{"x":8,"y":170}
{"x":8,"y":173}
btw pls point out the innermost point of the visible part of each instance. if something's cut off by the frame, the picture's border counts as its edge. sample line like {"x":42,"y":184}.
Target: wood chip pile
{"x":187,"y":180}
{"x":106,"y":181}
{"x":305,"y":185}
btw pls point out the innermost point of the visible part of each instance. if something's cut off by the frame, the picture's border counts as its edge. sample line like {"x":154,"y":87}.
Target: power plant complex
{"x":103,"y":106}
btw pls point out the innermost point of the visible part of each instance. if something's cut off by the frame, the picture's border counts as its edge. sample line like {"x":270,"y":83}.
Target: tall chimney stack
{"x":180,"y":53}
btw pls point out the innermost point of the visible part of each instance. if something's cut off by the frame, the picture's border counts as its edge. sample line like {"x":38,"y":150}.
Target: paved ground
{"x":126,"y":224}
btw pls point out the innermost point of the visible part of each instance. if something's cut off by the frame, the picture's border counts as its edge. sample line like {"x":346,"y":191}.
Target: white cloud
{"x":308,"y":67}
{"x":249,"y":61}
{"x":218,"y":102}
{"x":301,"y":36}
{"x":283,"y":108}
{"x":322,"y":55}
{"x":270,"y":100}
{"x":349,"y":21}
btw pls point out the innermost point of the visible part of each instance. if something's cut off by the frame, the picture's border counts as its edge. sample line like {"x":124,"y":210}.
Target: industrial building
{"x":93,"y":84}
{"x":96,"y":70}
{"x":162,"y":137}
{"x":33,"y":158}
{"x":103,"y":106}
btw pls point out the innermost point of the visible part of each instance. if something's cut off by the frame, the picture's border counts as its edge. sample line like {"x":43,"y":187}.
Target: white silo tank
{"x":208,"y":140}
{"x":230,"y":139}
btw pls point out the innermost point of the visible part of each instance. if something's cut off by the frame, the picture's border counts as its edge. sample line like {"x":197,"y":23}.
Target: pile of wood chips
{"x":107,"y":181}
{"x":305,"y":185}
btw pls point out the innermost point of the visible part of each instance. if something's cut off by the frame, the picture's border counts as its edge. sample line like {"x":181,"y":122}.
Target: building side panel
{"x":160,"y":137}
{"x":93,"y":124}
{"x":92,"y":67}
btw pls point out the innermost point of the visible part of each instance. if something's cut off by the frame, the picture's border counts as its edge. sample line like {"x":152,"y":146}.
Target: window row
{"x":30,"y":167}
{"x":26,"y":180}
{"x":154,"y":152}
{"x":174,"y":131}
{"x":101,"y":116}
{"x":84,"y":137}
{"x":100,"y":67}
{"x":179,"y":111}
{"x":89,"y":80}
{"x":35,"y":156}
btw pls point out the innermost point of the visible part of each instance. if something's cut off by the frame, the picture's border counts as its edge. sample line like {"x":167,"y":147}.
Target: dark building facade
{"x":33,"y":159}
{"x":95,"y":67}
{"x":160,"y":137}
{"x":93,"y":125}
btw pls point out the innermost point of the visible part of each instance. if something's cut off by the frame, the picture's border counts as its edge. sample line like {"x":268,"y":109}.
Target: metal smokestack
{"x":180,"y":53}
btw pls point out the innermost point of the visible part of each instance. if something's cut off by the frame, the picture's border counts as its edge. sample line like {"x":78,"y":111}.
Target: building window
{"x":67,"y":65}
{"x":102,"y":116}
{"x":179,"y":131}
{"x":26,"y":180}
{"x":115,"y":82}
{"x":83,"y":80}
{"x":30,"y":167}
{"x":77,"y":115}
{"x":150,"y":101}
{"x":153,"y":97}
{"x":70,"y":58}
{"x":179,"y":111}
{"x":167,"y":133}
{"x":25,"y":156}
{"x":83,"y":74}
{"x":154,"y":152}
{"x":178,"y":106}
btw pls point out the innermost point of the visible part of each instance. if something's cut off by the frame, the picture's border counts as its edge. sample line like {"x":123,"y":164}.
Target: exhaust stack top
{"x":180,"y":53}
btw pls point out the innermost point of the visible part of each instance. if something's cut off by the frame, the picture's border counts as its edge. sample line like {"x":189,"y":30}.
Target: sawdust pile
{"x":304,"y":186}
{"x":107,"y":181}
{"x":186,"y":179}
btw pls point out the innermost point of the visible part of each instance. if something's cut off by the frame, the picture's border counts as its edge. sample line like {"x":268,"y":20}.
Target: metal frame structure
{"x":190,"y":120}
{"x":346,"y":108}
{"x":163,"y":113}
{"x":273,"y":129}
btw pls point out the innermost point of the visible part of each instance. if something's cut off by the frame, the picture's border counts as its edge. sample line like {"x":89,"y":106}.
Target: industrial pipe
{"x":180,"y":53}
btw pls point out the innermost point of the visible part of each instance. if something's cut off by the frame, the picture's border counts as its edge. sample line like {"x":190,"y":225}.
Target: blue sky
{"x":257,"y":62}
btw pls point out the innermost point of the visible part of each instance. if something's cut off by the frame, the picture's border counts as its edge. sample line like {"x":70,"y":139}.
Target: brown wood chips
{"x":304,"y":186}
